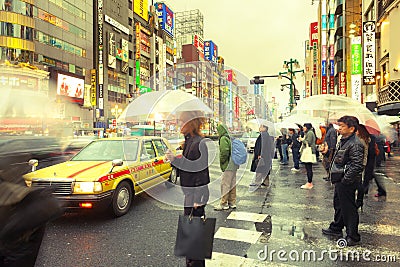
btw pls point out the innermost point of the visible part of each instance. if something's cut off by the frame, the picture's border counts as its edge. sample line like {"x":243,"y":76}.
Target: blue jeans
{"x":296,"y":157}
{"x":284,"y":153}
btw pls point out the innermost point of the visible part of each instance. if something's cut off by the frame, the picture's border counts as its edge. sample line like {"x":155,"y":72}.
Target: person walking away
{"x":349,"y":159}
{"x":279,"y":147}
{"x":295,"y":146}
{"x":308,"y":140}
{"x":193,"y":168}
{"x":370,"y":174}
{"x":286,"y":141}
{"x":365,"y":139}
{"x":264,"y":152}
{"x":330,"y":141}
{"x":228,"y":168}
{"x":380,"y":141}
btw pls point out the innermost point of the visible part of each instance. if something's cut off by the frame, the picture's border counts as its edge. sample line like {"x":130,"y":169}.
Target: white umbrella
{"x":332,"y":107}
{"x":162,"y":105}
{"x":255,"y":124}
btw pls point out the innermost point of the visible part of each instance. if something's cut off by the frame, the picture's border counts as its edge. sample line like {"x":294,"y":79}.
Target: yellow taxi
{"x":108,"y":172}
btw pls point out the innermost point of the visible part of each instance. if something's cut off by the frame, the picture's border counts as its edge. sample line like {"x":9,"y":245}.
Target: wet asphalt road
{"x":292,"y":219}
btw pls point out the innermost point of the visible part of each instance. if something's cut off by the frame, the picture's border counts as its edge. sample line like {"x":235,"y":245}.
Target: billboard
{"x":210,"y":51}
{"x":70,"y":86}
{"x":166,"y":18}
{"x":141,"y":8}
{"x":369,"y":52}
{"x":198,"y":42}
{"x":356,"y":55}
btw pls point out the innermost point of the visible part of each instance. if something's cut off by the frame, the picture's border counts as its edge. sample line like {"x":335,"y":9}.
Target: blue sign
{"x":166,"y":18}
{"x":256,"y":89}
{"x":210,"y":51}
{"x":323,"y":22}
{"x":323,"y":67}
{"x":332,"y":21}
{"x":332,"y":63}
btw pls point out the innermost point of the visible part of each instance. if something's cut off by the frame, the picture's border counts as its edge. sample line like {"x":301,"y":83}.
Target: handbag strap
{"x":203,"y":217}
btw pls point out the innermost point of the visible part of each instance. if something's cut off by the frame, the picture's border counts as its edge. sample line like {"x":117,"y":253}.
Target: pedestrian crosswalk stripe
{"x":247,"y":216}
{"x":223,"y":260}
{"x":237,"y":235}
{"x":379,"y":229}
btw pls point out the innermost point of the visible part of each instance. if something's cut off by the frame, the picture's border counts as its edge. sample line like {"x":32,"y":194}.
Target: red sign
{"x":114,"y":122}
{"x":313,"y":33}
{"x":236,"y":107}
{"x":228,"y":75}
{"x":332,"y":85}
{"x":342,"y":83}
{"x":324,"y":90}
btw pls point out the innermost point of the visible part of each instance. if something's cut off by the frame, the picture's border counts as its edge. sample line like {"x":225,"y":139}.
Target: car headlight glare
{"x":28,"y":183}
{"x":87,"y":187}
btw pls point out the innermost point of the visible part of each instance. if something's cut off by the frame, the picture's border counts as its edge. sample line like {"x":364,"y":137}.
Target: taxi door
{"x":164,"y":166}
{"x":148,"y":171}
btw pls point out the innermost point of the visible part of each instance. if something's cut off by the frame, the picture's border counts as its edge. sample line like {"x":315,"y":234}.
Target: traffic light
{"x":257,"y":80}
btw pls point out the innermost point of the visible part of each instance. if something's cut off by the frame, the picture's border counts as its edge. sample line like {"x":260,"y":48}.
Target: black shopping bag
{"x":195,"y":237}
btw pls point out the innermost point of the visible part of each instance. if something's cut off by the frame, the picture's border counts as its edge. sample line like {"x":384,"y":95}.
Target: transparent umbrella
{"x":162,"y":105}
{"x":255,"y":124}
{"x":332,"y":107}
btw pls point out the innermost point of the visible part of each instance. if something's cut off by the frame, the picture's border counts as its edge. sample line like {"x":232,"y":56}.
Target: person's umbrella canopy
{"x":254,"y":124}
{"x":332,"y":107}
{"x":294,"y":120}
{"x":162,"y":105}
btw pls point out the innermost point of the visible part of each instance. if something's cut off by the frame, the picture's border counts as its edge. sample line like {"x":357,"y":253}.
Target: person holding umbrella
{"x":193,"y":168}
{"x":308,"y":141}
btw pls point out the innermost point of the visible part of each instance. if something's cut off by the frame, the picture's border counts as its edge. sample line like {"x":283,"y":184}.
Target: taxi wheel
{"x":122,"y":199}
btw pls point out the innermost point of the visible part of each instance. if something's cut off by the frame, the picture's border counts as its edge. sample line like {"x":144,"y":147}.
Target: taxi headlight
{"x":28,"y":183}
{"x":87,"y":187}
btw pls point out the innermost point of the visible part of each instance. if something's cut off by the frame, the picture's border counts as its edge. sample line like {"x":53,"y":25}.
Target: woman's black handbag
{"x":195,"y":237}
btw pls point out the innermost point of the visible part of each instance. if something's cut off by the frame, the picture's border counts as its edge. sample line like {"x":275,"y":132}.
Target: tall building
{"x":387,"y":13}
{"x":189,"y":29}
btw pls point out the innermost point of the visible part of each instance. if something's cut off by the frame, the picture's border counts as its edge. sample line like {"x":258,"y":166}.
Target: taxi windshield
{"x":107,"y":150}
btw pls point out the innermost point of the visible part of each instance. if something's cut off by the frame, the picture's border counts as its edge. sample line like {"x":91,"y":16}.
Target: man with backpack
{"x":229,"y":168}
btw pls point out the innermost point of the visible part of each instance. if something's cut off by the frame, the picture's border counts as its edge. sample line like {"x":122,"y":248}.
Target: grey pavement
{"x":296,"y":216}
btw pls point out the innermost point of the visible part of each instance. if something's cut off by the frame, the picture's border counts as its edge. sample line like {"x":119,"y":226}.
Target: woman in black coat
{"x":193,"y":168}
{"x":263,"y":149}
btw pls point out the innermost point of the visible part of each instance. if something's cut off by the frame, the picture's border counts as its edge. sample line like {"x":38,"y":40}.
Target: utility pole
{"x":292,"y":75}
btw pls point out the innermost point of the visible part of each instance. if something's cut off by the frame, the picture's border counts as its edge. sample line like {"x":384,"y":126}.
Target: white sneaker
{"x":307,"y":186}
{"x":295,"y":170}
{"x":232,"y":206}
{"x":221,"y":207}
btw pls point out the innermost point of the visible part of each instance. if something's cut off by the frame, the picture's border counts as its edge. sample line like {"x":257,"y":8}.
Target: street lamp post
{"x":292,"y":75}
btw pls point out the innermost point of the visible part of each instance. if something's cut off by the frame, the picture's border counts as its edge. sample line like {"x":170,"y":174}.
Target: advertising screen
{"x":210,"y":51}
{"x":70,"y":86}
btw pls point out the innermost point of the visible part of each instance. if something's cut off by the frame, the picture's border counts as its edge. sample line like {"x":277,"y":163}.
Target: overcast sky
{"x":256,"y":36}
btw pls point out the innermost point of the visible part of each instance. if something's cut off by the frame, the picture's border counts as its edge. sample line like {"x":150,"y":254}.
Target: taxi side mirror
{"x":34,"y":163}
{"x":116,"y":162}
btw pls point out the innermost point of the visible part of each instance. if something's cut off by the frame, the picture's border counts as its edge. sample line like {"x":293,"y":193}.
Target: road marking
{"x":223,"y":260}
{"x":247,"y":216}
{"x":237,"y":235}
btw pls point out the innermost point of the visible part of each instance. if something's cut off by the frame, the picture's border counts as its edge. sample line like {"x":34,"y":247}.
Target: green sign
{"x":356,"y":55}
{"x":144,"y":89}
{"x":137,"y":72}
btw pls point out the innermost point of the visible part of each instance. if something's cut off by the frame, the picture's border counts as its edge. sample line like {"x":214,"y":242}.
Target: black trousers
{"x":198,"y":213}
{"x":309,"y":171}
{"x":346,"y":214}
{"x":22,"y":252}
